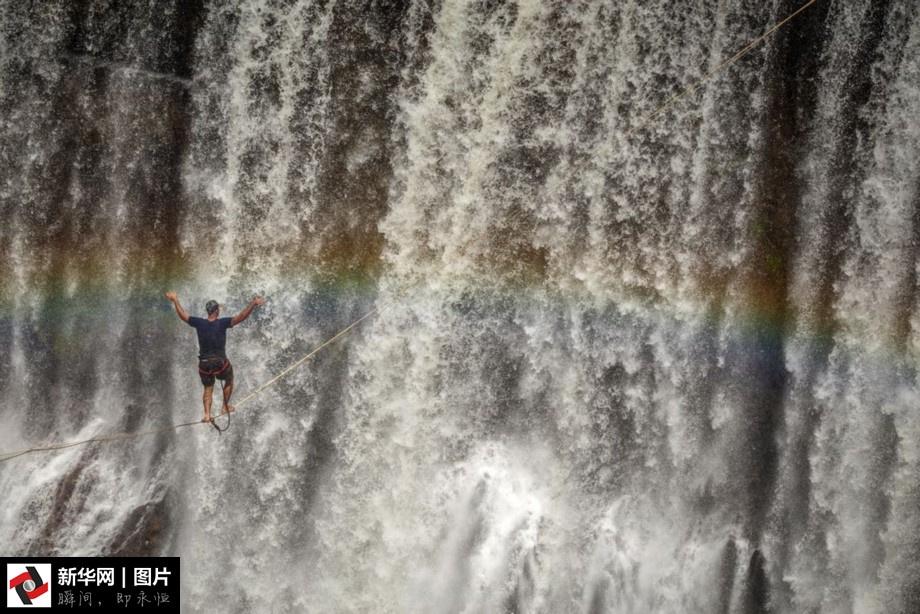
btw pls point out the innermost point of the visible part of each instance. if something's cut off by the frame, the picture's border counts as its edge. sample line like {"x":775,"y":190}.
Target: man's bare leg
{"x":228,"y":390}
{"x":208,"y":392}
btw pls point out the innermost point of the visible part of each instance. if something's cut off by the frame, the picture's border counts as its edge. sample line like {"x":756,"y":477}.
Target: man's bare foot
{"x":227,"y":409}
{"x":206,"y":419}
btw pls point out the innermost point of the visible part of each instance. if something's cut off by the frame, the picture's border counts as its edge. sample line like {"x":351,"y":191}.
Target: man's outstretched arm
{"x":182,"y":313}
{"x":247,"y":311}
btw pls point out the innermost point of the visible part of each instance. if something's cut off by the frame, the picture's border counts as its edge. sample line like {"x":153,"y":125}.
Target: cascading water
{"x":618,"y":365}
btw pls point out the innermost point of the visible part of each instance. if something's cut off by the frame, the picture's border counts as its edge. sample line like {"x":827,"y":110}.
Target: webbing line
{"x":175,"y":427}
{"x":644,"y":120}
{"x":693,"y":87}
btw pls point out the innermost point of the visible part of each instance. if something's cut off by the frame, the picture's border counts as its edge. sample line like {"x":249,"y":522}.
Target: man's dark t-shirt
{"x":212,"y":336}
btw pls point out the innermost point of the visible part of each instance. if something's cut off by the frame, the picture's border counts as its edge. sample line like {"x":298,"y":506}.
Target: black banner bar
{"x":100,"y":584}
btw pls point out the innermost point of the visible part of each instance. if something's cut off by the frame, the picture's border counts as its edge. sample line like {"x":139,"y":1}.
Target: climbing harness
{"x":214,"y":372}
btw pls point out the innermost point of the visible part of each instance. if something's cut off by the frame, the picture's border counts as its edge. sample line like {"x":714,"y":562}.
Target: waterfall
{"x":621,"y":361}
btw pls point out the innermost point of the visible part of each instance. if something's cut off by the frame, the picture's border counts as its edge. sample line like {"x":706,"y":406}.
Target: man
{"x":212,"y":341}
